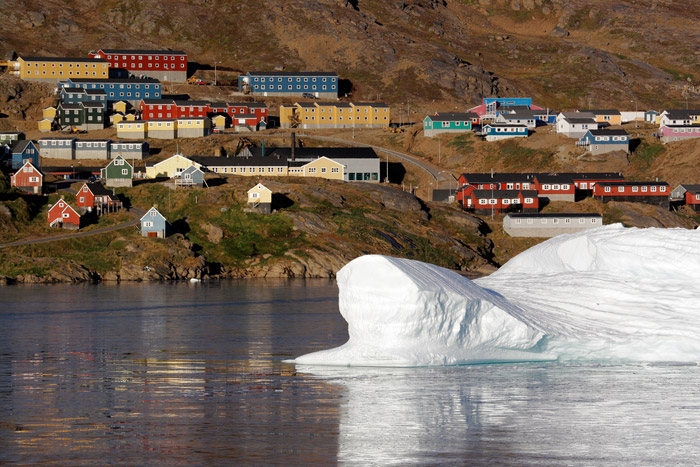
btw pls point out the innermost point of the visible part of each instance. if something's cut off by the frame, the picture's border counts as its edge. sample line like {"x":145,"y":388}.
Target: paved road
{"x":437,"y":174}
{"x":137,"y":213}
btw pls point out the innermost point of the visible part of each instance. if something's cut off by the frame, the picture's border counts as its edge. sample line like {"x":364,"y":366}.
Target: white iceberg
{"x":611,"y":293}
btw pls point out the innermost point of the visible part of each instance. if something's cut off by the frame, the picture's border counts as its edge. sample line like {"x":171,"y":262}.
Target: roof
{"x":292,"y":73}
{"x":453,"y":117}
{"x":580,"y":120}
{"x":115,"y":80}
{"x":608,"y":132}
{"x":504,"y":193}
{"x":628,"y":183}
{"x":99,"y":189}
{"x":21,"y":145}
{"x":554,"y":178}
{"x":605,"y":112}
{"x":141,"y":51}
{"x":63,"y":59}
{"x":271,"y":159}
{"x":475,"y":178}
{"x":550,"y":215}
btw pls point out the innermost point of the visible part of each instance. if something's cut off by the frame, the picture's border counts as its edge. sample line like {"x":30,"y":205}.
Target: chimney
{"x":294,"y":143}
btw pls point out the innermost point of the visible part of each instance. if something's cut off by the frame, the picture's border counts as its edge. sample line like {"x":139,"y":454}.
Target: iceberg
{"x":606,"y":294}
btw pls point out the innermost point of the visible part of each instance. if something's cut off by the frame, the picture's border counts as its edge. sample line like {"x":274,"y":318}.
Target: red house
{"x":165,"y":65}
{"x":157,"y":109}
{"x":555,"y":187}
{"x":62,"y":215}
{"x":96,"y":196}
{"x":28,"y":179}
{"x":497,"y":181}
{"x":656,"y":193}
{"x":497,"y":201}
{"x":192,"y":109}
{"x":258,"y":109}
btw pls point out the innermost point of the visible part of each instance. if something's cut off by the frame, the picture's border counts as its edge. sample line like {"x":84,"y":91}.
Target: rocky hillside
{"x":429,"y":54}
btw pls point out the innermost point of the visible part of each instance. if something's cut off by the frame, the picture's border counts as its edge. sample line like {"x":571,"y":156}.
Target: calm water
{"x":193,"y":375}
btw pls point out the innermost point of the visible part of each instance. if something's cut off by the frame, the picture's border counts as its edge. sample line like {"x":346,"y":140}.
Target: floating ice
{"x":611,"y":293}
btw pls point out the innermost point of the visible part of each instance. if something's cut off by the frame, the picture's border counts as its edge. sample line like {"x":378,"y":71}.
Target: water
{"x":193,"y":375}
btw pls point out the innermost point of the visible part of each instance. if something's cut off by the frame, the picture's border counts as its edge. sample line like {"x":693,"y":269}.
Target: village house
{"x":161,"y":129}
{"x":154,"y":224}
{"x":576,"y":124}
{"x":95,"y":197}
{"x":260,"y":199}
{"x":135,"y":129}
{"x":549,"y":224}
{"x":118,"y":173}
{"x":497,"y":201}
{"x":673,"y":133}
{"x":604,"y":141}
{"x":92,"y":149}
{"x":171,"y":167}
{"x":323,"y":85}
{"x":28,"y":179}
{"x":57,"y":148}
{"x":133,"y":150}
{"x":62,"y":215}
{"x":164,"y":65}
{"x":449,"y":123}
{"x":655,"y":193}
{"x":555,"y":187}
{"x":24,"y":151}
{"x":190,"y":177}
{"x":54,"y":69}
{"x":500,"y":131}
{"x":686,"y":194}
{"x":131,"y":90}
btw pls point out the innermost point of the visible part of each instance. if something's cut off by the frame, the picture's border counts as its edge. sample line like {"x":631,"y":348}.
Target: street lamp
{"x":450,"y":180}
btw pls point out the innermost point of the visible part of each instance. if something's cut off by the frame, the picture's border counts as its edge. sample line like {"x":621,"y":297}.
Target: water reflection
{"x":528,"y":414}
{"x":166,"y":374}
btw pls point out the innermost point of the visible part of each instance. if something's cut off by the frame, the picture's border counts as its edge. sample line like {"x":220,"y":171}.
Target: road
{"x":137,"y":213}
{"x":437,"y":174}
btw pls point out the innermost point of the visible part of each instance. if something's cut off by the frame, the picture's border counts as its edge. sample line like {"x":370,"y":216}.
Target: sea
{"x":197,"y":374}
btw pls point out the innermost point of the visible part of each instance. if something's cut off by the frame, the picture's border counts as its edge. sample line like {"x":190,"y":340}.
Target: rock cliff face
{"x":437,"y":55}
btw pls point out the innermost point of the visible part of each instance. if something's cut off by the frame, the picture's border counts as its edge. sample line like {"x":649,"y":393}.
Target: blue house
{"x":153,"y":224}
{"x":130,"y":90}
{"x":82,"y":95}
{"x":449,"y":123}
{"x":24,"y":150}
{"x":280,"y":83}
{"x":604,"y":141}
{"x":499,"y":131}
{"x":190,"y":177}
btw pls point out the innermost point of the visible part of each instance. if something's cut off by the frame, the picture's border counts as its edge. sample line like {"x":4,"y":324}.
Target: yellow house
{"x":49,"y":113}
{"x":219,"y":122}
{"x":170,"y":167}
{"x":609,"y":116}
{"x":335,"y":115}
{"x":116,"y":118}
{"x":161,"y":129}
{"x":260,"y":198}
{"x":54,"y":69}
{"x":322,"y":167}
{"x":45,"y":125}
{"x":120,"y":106}
{"x":193,"y":127}
{"x":370,"y":114}
{"x":136,"y":129}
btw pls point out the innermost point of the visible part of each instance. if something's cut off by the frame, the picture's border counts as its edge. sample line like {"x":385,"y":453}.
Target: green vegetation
{"x":645,"y":154}
{"x":463,"y":143}
{"x":516,"y":158}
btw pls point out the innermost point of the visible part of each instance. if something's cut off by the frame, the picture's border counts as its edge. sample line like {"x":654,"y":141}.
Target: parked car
{"x":308,"y":95}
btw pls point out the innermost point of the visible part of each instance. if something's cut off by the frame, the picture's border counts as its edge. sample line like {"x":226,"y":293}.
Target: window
{"x":621,"y":189}
{"x":125,"y":171}
{"x":607,"y":189}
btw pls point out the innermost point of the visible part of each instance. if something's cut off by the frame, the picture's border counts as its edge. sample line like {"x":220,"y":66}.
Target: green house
{"x":449,"y":123}
{"x":117,"y":173}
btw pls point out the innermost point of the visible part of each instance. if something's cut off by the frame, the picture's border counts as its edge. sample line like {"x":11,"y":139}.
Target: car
{"x":308,"y":95}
